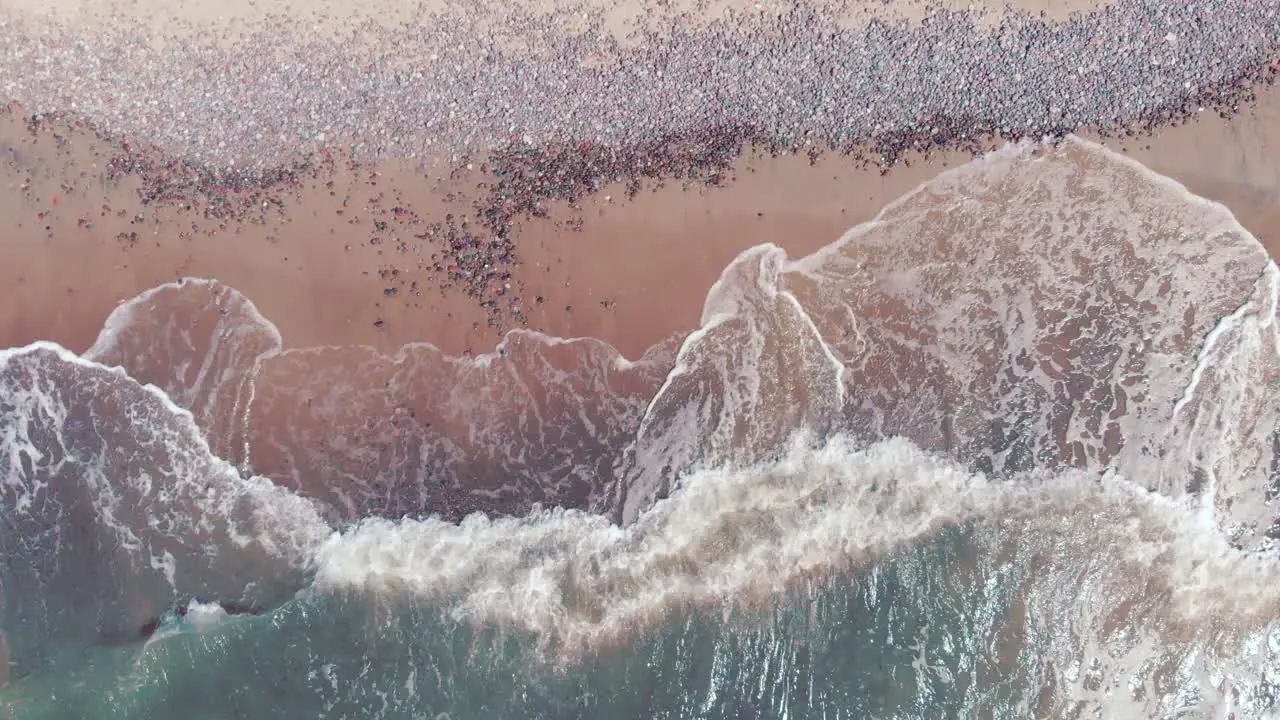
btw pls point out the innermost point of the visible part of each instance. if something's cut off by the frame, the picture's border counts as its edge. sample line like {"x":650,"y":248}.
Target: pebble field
{"x":547,"y":114}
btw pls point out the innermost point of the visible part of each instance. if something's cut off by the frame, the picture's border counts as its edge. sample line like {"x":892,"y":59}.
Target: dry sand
{"x":164,"y":17}
{"x":159,"y":19}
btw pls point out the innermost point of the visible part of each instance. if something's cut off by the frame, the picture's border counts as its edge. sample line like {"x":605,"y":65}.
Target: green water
{"x":912,"y":638}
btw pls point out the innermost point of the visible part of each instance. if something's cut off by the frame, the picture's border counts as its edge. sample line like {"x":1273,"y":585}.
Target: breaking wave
{"x":1009,"y":449}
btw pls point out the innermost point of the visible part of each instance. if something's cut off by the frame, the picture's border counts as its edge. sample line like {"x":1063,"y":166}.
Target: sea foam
{"x":1062,"y":359}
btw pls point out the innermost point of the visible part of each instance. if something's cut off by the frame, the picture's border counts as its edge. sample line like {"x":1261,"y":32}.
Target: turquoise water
{"x":908,"y":639}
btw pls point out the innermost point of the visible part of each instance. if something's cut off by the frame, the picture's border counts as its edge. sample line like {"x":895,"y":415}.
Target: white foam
{"x":125,"y":315}
{"x":232,"y":371}
{"x":739,"y":531}
{"x":754,"y":373}
{"x":748,"y":535}
{"x":163,"y":512}
{"x":1224,"y":422}
{"x":577,"y":579}
{"x":744,"y":537}
{"x":988,"y":165}
{"x":674,"y":553}
{"x":204,"y":616}
{"x":1002,"y":277}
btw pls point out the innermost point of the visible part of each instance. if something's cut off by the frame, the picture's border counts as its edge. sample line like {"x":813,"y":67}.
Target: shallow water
{"x":1009,"y":450}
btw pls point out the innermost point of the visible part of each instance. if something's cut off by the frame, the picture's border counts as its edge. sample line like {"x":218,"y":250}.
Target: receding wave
{"x":1008,"y":449}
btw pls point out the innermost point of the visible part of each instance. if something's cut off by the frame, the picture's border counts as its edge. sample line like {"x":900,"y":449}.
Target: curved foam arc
{"x":198,"y":340}
{"x":1181,"y":261}
{"x":950,"y":175}
{"x":744,"y":537}
{"x":756,"y":370}
{"x":124,"y":313}
{"x":209,"y":347}
{"x":1006,"y":153}
{"x":309,"y":524}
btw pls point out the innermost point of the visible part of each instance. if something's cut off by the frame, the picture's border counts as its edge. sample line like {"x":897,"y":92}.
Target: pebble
{"x":241,"y":122}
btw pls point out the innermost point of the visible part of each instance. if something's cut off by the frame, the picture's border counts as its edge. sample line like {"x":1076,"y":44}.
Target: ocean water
{"x":1009,"y":450}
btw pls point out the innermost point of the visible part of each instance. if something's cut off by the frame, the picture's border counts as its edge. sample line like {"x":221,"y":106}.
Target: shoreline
{"x":585,"y":238}
{"x":630,"y":272}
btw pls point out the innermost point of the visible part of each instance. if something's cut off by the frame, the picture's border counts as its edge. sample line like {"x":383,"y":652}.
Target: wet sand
{"x":342,"y":255}
{"x":634,"y":272}
{"x":77,"y":244}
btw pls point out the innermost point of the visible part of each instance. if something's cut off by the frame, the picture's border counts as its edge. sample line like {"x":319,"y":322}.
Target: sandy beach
{"x":632,"y":272}
{"x":577,"y":406}
{"x":333,"y":18}
{"x":341,"y":254}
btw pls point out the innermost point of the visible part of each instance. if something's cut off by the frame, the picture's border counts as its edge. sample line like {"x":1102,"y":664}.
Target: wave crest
{"x":1046,"y":383}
